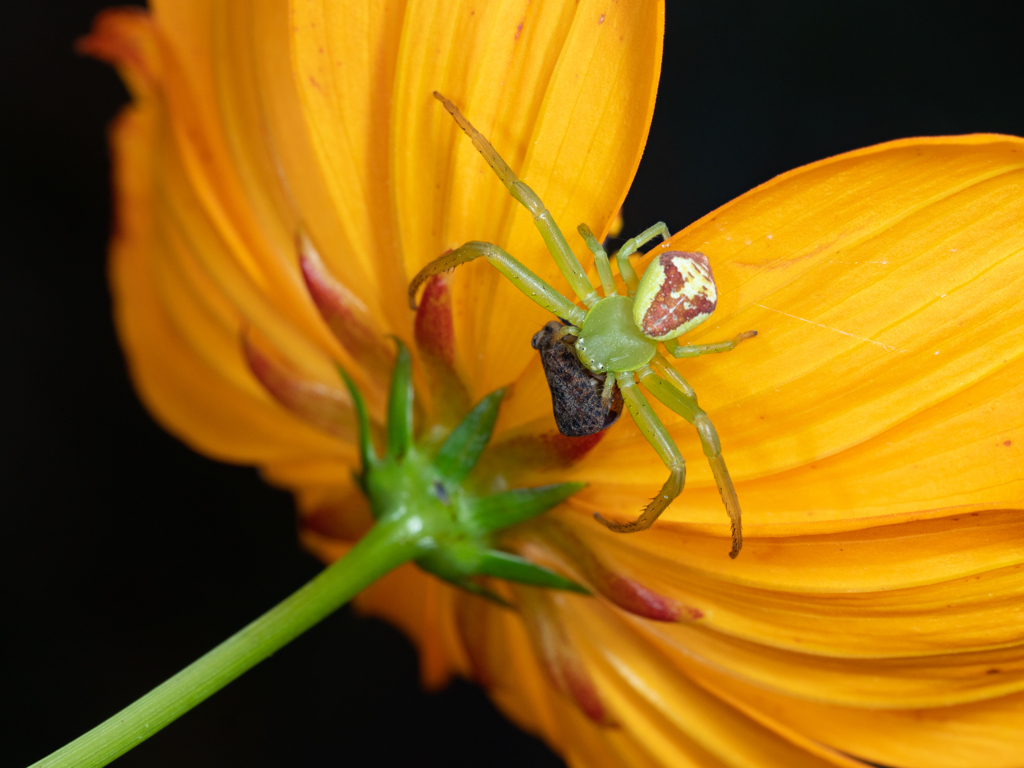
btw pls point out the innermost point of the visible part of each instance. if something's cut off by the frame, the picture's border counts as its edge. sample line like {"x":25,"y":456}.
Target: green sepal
{"x":455,"y":562}
{"x":505,"y":565}
{"x":367,"y":453}
{"x":455,"y":525}
{"x":360,"y":480}
{"x":476,"y":589}
{"x":518,"y":505}
{"x":458,"y":563}
{"x":462,"y":449}
{"x":400,"y":404}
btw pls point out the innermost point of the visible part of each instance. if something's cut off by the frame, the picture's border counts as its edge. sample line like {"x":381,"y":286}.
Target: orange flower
{"x":874,"y":427}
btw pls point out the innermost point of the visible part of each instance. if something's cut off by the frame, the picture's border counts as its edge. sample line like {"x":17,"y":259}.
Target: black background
{"x":125,"y":556}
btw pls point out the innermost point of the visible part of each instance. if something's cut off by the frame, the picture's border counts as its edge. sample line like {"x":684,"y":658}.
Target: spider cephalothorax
{"x":616,"y":336}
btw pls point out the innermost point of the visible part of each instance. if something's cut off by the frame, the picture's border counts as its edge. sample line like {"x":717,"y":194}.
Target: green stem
{"x":388,"y":545}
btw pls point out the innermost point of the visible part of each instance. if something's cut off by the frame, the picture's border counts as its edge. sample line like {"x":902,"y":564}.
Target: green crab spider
{"x":618,"y":336}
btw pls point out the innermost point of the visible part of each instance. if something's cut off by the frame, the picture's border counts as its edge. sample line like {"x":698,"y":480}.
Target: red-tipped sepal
{"x":559,"y":657}
{"x":344,"y":313}
{"x":435,"y":340}
{"x":327,"y":408}
{"x":551,"y":539}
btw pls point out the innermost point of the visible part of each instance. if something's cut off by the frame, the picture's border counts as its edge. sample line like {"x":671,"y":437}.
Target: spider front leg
{"x":631,"y":246}
{"x":566,"y":260}
{"x":686,"y":407}
{"x":696,"y":350}
{"x":522,"y":278}
{"x":651,"y":428}
{"x":604,"y":271}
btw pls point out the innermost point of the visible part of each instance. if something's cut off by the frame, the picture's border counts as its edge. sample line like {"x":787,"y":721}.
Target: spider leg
{"x":522,"y":278}
{"x":604,"y":270}
{"x":566,"y":260}
{"x":686,"y":407}
{"x":696,"y":350}
{"x":630,"y":247}
{"x":566,"y":330}
{"x":608,"y":392}
{"x":662,"y":366}
{"x":652,"y":428}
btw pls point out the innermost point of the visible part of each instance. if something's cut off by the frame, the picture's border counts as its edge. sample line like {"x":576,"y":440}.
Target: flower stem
{"x":387,"y":545}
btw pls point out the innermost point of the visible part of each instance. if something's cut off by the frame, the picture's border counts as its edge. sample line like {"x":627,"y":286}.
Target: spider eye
{"x":676,"y":293}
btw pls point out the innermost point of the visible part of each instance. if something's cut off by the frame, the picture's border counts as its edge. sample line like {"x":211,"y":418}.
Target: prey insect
{"x":616,"y":336}
{"x":578,"y":395}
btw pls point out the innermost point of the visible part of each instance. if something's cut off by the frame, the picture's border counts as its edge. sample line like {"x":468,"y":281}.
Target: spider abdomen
{"x":676,"y":293}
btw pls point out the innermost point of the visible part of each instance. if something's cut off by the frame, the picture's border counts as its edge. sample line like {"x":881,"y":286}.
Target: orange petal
{"x":224,"y":182}
{"x":228,"y":422}
{"x":923,"y":681}
{"x":124,"y":37}
{"x":544,"y":82}
{"x":672,"y":716}
{"x":344,"y":62}
{"x":869,"y":559}
{"x":233,"y":419}
{"x":886,"y":380}
{"x":983,"y":733}
{"x":246,"y":154}
{"x":560,"y":658}
{"x":833,"y":595}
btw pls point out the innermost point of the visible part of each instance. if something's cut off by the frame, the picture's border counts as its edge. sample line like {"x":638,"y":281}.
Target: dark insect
{"x":578,"y":396}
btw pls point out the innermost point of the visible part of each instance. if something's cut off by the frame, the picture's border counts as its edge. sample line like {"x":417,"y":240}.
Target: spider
{"x":616,"y":336}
